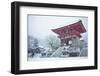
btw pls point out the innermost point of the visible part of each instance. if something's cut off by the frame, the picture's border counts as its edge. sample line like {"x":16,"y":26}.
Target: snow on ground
{"x":58,"y":54}
{"x":55,"y":58}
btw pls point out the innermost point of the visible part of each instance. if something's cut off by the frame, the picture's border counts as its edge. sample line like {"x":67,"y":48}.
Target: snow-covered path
{"x":59,"y":51}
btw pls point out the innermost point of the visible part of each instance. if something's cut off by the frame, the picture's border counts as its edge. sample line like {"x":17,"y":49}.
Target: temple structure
{"x":69,"y":32}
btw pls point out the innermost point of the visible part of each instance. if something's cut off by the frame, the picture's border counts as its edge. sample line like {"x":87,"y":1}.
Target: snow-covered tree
{"x":53,"y":42}
{"x":33,"y":47}
{"x":32,"y":42}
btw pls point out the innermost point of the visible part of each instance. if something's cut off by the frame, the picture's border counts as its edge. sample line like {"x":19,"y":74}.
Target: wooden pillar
{"x":64,"y":42}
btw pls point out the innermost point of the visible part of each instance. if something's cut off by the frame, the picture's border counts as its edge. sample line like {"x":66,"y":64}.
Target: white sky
{"x":40,"y":26}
